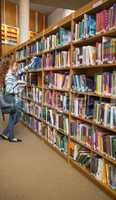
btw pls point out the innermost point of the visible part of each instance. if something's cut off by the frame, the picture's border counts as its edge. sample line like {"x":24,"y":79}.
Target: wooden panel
{"x":2,"y":12}
{"x":10,"y":13}
{"x":6,"y":49}
{"x":0,"y":31}
{"x":32,"y":20}
{"x":40,"y":22}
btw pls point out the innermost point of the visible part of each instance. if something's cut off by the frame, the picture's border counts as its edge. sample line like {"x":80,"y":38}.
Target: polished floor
{"x":33,"y":171}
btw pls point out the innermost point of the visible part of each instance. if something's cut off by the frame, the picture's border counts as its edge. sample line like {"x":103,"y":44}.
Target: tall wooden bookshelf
{"x":69,"y":23}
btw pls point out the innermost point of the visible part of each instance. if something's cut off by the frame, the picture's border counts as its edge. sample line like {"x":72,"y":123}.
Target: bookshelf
{"x":10,"y":35}
{"x":76,"y":109}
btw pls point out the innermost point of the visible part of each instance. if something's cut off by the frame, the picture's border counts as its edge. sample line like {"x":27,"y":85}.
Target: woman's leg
{"x":9,"y":131}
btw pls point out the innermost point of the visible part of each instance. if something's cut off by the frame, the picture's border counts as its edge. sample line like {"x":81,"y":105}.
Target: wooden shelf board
{"x":106,"y":157}
{"x":94,"y":123}
{"x":101,"y":185}
{"x":113,"y":65}
{"x":93,"y":94}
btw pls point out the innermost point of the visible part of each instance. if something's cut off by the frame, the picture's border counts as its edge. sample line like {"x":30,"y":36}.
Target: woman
{"x":11,"y":85}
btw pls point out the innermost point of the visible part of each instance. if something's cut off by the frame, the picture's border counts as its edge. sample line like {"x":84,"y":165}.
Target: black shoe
{"x":15,"y":140}
{"x":4,"y":137}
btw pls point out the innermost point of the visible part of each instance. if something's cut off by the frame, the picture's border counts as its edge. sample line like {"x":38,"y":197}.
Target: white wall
{"x":57,"y":15}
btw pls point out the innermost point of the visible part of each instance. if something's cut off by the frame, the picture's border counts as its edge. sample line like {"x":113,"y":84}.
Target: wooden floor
{"x":33,"y":171}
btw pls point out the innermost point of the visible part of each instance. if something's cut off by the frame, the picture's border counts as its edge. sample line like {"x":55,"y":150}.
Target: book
{"x":85,"y":28}
{"x":85,"y":55}
{"x":61,"y":37}
{"x":57,"y":80}
{"x":33,"y":123}
{"x":78,"y":106}
{"x":57,"y":100}
{"x":106,"y":19}
{"x":111,"y":174}
{"x":21,"y":54}
{"x":105,"y":114}
{"x":82,"y":83}
{"x":108,"y":50}
{"x":61,"y":143}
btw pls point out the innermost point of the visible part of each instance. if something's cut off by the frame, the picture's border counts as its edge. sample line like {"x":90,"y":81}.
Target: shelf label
{"x":98,"y":3}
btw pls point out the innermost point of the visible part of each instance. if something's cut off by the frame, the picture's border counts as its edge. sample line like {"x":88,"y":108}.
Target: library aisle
{"x":31,"y":171}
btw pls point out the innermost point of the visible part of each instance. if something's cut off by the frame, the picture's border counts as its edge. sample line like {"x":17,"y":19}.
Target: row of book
{"x":92,"y":24}
{"x":61,"y":37}
{"x":21,"y":54}
{"x":100,"y":83}
{"x":57,"y":80}
{"x":32,"y":123}
{"x":105,"y":114}
{"x":103,"y":52}
{"x":55,"y":138}
{"x":97,"y":139}
{"x":57,"y":120}
{"x":57,"y":59}
{"x":33,"y":93}
{"x":96,"y":165}
{"x":105,"y":83}
{"x":57,"y":100}
{"x":101,"y":170}
{"x":102,"y":113}
{"x":32,"y":109}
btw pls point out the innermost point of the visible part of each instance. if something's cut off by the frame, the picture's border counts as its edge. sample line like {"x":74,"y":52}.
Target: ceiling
{"x":48,"y":6}
{"x":69,"y":4}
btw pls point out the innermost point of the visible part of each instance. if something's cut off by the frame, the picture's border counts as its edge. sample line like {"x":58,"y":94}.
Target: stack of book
{"x":39,"y":46}
{"x":57,"y":80}
{"x":105,"y":114}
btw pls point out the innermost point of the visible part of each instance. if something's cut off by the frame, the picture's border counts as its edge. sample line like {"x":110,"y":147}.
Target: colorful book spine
{"x":21,"y":54}
{"x":85,"y":28}
{"x":105,"y":114}
{"x":78,"y":106}
{"x":106,"y":19}
{"x":57,"y":100}
{"x":85,"y":56}
{"x":82,"y":83}
{"x":57,"y":80}
{"x":57,"y":120}
{"x":33,"y":123}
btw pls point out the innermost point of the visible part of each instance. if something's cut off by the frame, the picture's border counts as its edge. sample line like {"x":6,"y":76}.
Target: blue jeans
{"x":13,"y":120}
